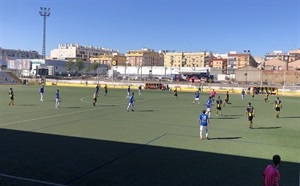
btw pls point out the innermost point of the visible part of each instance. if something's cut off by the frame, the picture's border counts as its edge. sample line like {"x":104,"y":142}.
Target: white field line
{"x":31,"y":180}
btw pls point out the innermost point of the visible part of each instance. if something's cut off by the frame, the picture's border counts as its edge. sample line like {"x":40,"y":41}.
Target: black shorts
{"x":277,"y":108}
{"x":250,"y":118}
{"x":226,"y":100}
{"x":175,"y":95}
{"x":219,"y":108}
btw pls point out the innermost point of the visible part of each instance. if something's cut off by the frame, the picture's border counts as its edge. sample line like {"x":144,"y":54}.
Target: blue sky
{"x":182,"y":25}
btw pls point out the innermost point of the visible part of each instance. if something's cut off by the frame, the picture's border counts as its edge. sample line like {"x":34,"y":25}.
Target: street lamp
{"x":247,"y":63}
{"x":45,"y":13}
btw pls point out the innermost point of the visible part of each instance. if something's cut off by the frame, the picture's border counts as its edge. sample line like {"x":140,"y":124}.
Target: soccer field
{"x":157,"y":144}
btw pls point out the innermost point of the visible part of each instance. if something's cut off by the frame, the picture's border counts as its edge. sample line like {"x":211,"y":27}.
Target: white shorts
{"x":130,"y":104}
{"x":203,"y":128}
{"x":207,"y":109}
{"x":196,"y":99}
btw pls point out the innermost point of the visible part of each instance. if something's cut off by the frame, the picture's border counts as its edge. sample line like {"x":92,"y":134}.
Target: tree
{"x":69,"y":65}
{"x":79,"y":64}
{"x":87,"y":68}
{"x":94,"y":66}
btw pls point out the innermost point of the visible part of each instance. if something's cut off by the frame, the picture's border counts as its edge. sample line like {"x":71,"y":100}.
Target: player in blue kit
{"x":208,"y":106}
{"x":203,"y":122}
{"x":131,"y":102}
{"x":197,"y":97}
{"x":243,"y":94}
{"x":97,"y":89}
{"x":57,"y":99}
{"x":42,"y":90}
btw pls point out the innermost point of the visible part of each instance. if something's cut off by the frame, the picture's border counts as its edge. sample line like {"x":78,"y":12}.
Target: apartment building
{"x":277,"y":54}
{"x":22,"y":54}
{"x":238,"y":60}
{"x":144,"y":57}
{"x":294,"y":55}
{"x":219,"y":63}
{"x":114,"y":59}
{"x":73,"y":51}
{"x":187,"y":59}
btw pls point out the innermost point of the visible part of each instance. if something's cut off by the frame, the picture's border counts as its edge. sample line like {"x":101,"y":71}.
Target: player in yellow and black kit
{"x":226,"y":99}
{"x":267,"y":98}
{"x":95,"y":96}
{"x":11,"y":96}
{"x":105,"y":90}
{"x":250,"y":113}
{"x":277,"y":106}
{"x":253,"y":93}
{"x":219,"y":106}
{"x":175,"y":93}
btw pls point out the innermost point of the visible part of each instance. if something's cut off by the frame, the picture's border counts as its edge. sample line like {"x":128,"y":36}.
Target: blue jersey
{"x":197,"y":94}
{"x":203,"y":119}
{"x":131,"y":99}
{"x":243,"y":92}
{"x":42,"y":90}
{"x":128,"y":90}
{"x":97,"y":89}
{"x":57,"y":95}
{"x":208,"y":103}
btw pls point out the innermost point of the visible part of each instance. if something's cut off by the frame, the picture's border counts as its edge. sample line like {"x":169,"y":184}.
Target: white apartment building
{"x":22,"y":54}
{"x":73,"y":51}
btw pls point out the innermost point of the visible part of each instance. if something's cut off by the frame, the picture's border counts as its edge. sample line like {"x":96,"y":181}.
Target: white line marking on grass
{"x":46,"y":117}
{"x":81,"y":99}
{"x":31,"y":180}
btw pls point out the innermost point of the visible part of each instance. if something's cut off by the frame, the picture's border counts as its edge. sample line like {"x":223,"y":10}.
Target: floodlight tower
{"x":45,"y":13}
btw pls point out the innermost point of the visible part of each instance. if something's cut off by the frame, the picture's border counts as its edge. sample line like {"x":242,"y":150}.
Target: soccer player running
{"x":105,"y":90}
{"x":95,"y":96}
{"x":131,"y":102}
{"x":267,"y":97}
{"x":250,"y":112}
{"x":175,"y":94}
{"x":277,"y":106}
{"x":226,"y":99}
{"x":128,"y":92}
{"x":253,"y":93}
{"x":208,"y":107}
{"x":213,"y":95}
{"x":218,"y":106}
{"x":140,"y":90}
{"x":197,"y":97}
{"x":243,"y":94}
{"x":203,"y":121}
{"x":42,"y":90}
{"x":11,"y":96}
{"x":57,"y":99}
{"x":97,"y":89}
{"x":271,"y":175}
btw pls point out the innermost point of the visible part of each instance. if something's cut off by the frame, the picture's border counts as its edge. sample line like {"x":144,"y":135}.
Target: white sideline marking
{"x":31,"y":180}
{"x":45,"y":117}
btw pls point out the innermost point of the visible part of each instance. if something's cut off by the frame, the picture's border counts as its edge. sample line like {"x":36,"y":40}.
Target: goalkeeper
{"x":250,"y":112}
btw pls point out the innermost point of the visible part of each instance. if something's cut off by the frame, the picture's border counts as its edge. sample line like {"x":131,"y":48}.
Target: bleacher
{"x":7,"y":78}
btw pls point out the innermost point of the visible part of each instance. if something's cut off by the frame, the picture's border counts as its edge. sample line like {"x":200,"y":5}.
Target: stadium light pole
{"x":45,"y":13}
